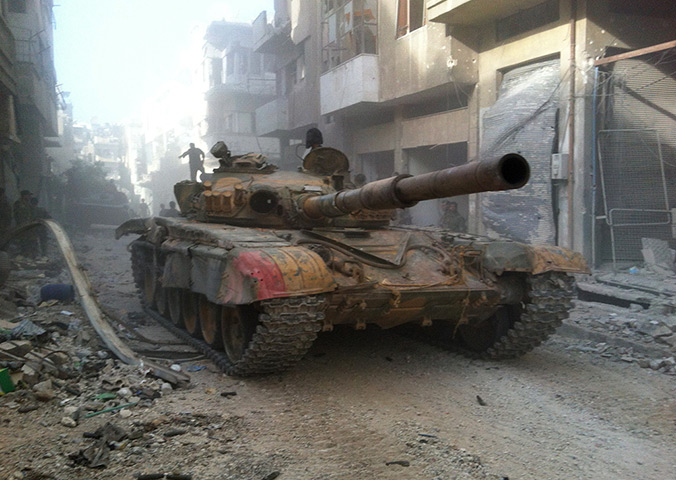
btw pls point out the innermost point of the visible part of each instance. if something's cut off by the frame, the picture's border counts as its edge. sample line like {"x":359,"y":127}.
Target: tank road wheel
{"x":270,"y":336}
{"x":210,"y":322}
{"x":161,"y":299}
{"x":517,"y":329}
{"x":174,"y":306}
{"x":479,"y":338}
{"x":190,"y":313}
{"x":237,"y":328}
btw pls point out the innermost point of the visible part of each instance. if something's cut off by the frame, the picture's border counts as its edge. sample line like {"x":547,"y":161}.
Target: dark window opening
{"x":528,"y":19}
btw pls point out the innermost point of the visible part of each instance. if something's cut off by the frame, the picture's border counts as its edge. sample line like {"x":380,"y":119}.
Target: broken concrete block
{"x":654,"y":329}
{"x":44,"y":391}
{"x":29,"y":375}
{"x":657,"y":255}
{"x":18,"y":348}
{"x":59,"y":358}
{"x":68,"y":422}
{"x":670,"y":321}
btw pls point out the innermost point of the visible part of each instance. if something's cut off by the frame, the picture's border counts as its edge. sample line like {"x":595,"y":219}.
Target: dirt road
{"x":376,"y":405}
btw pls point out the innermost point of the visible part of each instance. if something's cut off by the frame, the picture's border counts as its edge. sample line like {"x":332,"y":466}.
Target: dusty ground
{"x":359,"y":401}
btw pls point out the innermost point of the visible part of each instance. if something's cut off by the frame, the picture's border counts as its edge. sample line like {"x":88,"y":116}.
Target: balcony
{"x":272,"y":39}
{"x":474,"y":12}
{"x":352,"y":83}
{"x":254,"y":85}
{"x":272,"y":119}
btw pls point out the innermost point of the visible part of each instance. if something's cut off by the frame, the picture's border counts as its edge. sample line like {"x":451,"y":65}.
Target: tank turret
{"x":246,"y":190}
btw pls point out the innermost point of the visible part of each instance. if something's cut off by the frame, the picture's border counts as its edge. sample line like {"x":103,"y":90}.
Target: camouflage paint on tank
{"x":252,"y":275}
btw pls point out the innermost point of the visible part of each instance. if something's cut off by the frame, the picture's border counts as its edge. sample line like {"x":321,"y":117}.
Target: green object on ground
{"x":6,"y":384}
{"x":112,"y":409}
{"x":105,"y":396}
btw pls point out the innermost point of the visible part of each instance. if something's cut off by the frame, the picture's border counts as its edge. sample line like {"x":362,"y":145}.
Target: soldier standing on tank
{"x":451,"y":219}
{"x":195,"y":160}
{"x":313,"y":139}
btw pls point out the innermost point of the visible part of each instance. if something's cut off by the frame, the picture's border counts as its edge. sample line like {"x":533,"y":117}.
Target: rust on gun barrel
{"x":508,"y":172}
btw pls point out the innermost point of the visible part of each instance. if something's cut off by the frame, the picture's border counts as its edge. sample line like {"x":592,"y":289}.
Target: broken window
{"x":411,"y":15}
{"x":349,"y":28}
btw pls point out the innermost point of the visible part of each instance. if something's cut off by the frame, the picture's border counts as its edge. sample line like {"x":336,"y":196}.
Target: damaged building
{"x":584,"y":90}
{"x":28,"y":96}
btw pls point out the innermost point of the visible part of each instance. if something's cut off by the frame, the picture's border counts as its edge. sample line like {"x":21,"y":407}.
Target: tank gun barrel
{"x":511,"y":171}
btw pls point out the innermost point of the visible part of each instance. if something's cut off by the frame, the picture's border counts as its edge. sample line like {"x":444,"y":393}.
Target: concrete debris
{"x":658,"y":257}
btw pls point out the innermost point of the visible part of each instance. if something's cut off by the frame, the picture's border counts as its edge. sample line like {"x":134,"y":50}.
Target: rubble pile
{"x":634,"y":315}
{"x":55,"y":370}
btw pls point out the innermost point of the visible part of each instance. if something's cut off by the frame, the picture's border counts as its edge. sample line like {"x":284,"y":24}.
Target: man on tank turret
{"x":195,"y":161}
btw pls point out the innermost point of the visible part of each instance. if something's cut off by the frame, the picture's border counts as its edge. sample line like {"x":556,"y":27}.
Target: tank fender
{"x":135,"y":225}
{"x":252,"y":275}
{"x":499,"y":257}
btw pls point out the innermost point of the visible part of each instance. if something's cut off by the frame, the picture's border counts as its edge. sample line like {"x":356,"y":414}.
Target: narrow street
{"x":362,"y":405}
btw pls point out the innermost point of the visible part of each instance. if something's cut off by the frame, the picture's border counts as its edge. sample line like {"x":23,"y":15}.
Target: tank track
{"x":550,"y":299}
{"x":287,"y":328}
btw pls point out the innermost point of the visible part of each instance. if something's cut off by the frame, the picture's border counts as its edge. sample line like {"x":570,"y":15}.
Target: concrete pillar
{"x":400,"y":158}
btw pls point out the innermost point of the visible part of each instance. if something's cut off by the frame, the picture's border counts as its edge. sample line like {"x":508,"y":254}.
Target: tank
{"x":262,"y":260}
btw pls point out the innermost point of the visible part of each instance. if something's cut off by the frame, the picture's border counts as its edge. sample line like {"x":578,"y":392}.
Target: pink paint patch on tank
{"x":259,"y":266}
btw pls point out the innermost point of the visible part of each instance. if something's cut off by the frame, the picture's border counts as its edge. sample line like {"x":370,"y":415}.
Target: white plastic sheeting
{"x":523,"y":120}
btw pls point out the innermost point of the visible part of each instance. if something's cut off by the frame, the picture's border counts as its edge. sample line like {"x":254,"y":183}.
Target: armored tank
{"x":262,"y":260}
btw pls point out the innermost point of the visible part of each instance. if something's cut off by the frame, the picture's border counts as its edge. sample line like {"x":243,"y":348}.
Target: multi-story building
{"x":28,"y":92}
{"x":8,"y":93}
{"x":236,"y":81}
{"x":417,"y":85}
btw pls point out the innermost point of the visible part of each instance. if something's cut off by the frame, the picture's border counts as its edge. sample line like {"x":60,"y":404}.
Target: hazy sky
{"x":112,"y":54}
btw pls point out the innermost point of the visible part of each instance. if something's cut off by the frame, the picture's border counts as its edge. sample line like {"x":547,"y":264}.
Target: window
{"x":411,"y":15}
{"x":349,"y":28}
{"x":17,"y":6}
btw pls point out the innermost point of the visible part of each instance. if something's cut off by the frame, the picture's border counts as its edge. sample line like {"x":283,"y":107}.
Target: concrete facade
{"x":28,"y":102}
{"x":439,"y":77}
{"x":236,"y":81}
